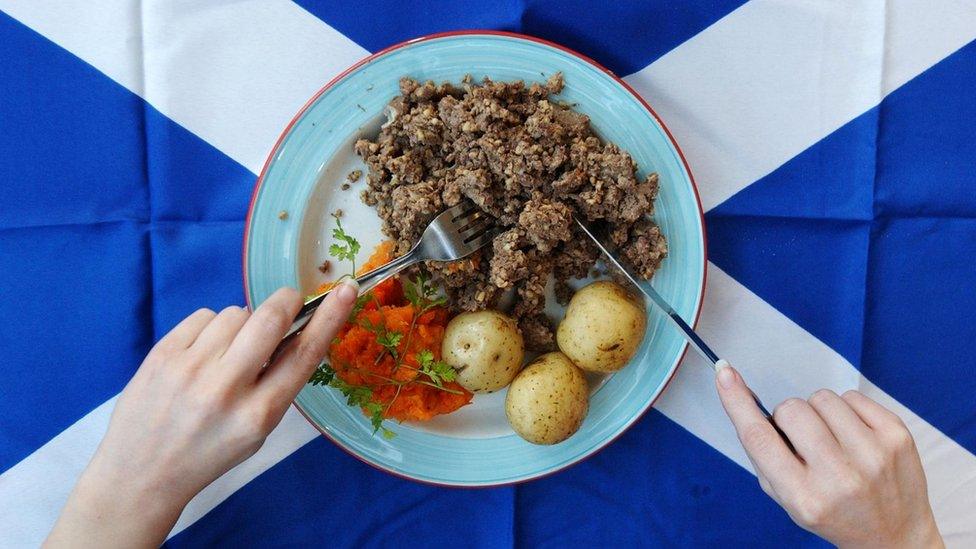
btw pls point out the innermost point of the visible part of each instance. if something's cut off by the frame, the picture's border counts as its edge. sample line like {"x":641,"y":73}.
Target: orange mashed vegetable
{"x":359,"y":359}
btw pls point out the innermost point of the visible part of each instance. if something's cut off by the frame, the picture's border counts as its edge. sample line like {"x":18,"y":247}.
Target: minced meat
{"x":530,"y":163}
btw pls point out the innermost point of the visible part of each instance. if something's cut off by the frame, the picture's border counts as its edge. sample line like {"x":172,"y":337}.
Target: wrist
{"x":113,"y":507}
{"x":129,"y":496}
{"x":923,"y":534}
{"x":918,"y":534}
{"x":123,"y":489}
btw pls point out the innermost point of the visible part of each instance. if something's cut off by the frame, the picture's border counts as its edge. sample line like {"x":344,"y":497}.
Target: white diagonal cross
{"x":742,"y":97}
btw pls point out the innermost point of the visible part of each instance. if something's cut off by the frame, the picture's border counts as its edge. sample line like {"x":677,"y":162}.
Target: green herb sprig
{"x":349,"y":247}
{"x":356,"y":395}
{"x":437,"y":370}
{"x":421,"y":294}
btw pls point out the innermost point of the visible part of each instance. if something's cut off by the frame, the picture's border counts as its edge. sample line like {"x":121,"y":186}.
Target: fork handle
{"x":366,"y":282}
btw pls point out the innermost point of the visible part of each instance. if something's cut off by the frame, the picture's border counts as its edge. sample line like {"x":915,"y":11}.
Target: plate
{"x":303,"y":176}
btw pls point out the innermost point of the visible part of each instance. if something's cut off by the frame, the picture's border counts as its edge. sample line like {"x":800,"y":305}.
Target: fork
{"x":454,"y":234}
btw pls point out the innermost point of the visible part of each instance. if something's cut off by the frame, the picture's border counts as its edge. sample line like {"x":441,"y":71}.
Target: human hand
{"x":199,"y":404}
{"x":856,"y":478}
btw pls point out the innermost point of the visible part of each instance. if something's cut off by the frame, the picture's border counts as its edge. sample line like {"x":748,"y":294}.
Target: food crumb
{"x":282,"y":215}
{"x":337,"y":214}
{"x":345,"y":186}
{"x":354,"y":175}
{"x":325,"y":266}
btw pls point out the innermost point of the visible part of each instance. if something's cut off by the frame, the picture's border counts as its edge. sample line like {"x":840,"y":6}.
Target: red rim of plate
{"x":608,"y":72}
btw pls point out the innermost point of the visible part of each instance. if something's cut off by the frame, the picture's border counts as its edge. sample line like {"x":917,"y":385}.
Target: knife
{"x":689,"y":334}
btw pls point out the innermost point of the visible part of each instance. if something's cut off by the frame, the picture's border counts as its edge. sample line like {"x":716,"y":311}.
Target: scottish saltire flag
{"x":833,"y":143}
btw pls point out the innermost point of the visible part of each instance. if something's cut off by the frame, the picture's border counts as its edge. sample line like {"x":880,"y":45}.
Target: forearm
{"x":105,"y":510}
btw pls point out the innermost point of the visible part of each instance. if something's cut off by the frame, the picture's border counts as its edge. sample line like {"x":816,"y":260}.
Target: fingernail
{"x":348,"y":290}
{"x":725,"y":374}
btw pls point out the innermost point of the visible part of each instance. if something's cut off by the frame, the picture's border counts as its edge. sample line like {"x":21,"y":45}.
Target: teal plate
{"x":303,"y":176}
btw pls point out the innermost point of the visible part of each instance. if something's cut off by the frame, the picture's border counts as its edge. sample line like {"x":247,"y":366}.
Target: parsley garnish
{"x":375,"y":411}
{"x":390,"y":340}
{"x":356,"y":395}
{"x":437,"y":370}
{"x":425,"y":357}
{"x":347,"y":251}
{"x":422,"y":295}
{"x":360,"y":304}
{"x":323,"y":375}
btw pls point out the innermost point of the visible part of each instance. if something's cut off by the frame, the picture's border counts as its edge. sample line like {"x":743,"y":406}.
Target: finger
{"x":262,"y":333}
{"x":885,"y":424}
{"x":807,"y":431}
{"x":219,"y":332}
{"x":847,"y":427}
{"x":185,"y":333}
{"x":767,"y":450}
{"x":282,"y":380}
{"x":873,"y":414}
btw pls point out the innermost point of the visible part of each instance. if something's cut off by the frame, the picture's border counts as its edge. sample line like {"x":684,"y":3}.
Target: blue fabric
{"x":644,"y":490}
{"x":806,"y":225}
{"x":63,"y":164}
{"x":321,"y":495}
{"x":623,"y":36}
{"x":887,"y":199}
{"x":115,"y":223}
{"x":920,"y":313}
{"x":73,"y":245}
{"x":97,"y":243}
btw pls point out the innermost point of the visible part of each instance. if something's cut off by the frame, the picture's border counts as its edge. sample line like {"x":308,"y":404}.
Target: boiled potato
{"x":486,"y":349}
{"x":548,"y":400}
{"x":602,"y":328}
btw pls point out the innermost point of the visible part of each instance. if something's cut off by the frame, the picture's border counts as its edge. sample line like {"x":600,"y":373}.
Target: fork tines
{"x":461,"y":210}
{"x":470,"y":222}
